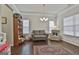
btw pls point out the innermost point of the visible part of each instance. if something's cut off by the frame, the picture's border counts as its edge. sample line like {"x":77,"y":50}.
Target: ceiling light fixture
{"x":43,"y":18}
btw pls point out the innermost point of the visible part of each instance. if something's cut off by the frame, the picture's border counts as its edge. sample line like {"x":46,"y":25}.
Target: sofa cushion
{"x":41,"y":32}
{"x":39,"y":35}
{"x":35,"y":31}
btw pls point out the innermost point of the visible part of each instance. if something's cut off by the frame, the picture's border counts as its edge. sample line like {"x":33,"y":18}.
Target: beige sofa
{"x":39,"y":35}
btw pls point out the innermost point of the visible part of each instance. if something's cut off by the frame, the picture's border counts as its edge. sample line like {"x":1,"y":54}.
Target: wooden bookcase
{"x":18,"y":29}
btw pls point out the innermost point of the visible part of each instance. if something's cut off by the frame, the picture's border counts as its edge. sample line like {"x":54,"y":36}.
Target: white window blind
{"x":71,"y":25}
{"x":77,"y":25}
{"x":68,"y":25}
{"x":25,"y":26}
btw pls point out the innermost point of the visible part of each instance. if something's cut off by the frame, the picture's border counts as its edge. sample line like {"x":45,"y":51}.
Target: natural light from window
{"x":25,"y":26}
{"x":51,"y":26}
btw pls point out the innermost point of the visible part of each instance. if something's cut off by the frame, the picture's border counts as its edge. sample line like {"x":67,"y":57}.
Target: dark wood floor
{"x":23,"y":49}
{"x":27,"y":47}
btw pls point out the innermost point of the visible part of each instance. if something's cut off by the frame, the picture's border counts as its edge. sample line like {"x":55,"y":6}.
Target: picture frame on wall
{"x":4,"y":20}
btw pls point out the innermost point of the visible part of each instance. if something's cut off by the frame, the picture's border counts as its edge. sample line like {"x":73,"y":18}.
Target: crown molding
{"x":14,"y":8}
{"x":28,"y":13}
{"x":68,"y":8}
{"x":9,"y":7}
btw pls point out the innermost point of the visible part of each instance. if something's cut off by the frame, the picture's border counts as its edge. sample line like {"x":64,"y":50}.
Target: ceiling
{"x":50,"y":9}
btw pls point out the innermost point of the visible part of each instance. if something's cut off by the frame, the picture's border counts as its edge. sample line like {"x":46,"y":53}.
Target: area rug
{"x":50,"y":50}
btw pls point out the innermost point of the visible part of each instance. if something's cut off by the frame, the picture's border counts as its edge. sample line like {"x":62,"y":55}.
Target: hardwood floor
{"x":74,"y":49}
{"x":24,"y":49}
{"x":27,"y":47}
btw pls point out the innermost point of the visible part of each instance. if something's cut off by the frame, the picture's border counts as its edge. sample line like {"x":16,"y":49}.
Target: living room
{"x":45,"y":29}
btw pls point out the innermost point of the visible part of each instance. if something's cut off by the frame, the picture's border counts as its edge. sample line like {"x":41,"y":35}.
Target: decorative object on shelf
{"x":44,"y":18}
{"x":17,"y":15}
{"x":4,"y":20}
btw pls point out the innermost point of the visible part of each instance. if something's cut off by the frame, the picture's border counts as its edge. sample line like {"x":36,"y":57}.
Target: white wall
{"x":7,"y":28}
{"x":36,"y":24}
{"x":0,"y":24}
{"x":71,"y":11}
{"x":0,"y":20}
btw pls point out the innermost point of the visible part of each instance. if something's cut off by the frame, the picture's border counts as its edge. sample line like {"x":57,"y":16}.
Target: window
{"x":51,"y":26}
{"x":25,"y":26}
{"x":71,"y":25}
{"x":76,"y":25}
{"x":68,"y":25}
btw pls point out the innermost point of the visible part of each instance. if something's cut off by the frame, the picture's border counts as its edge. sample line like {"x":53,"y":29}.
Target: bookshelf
{"x":18,"y":29}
